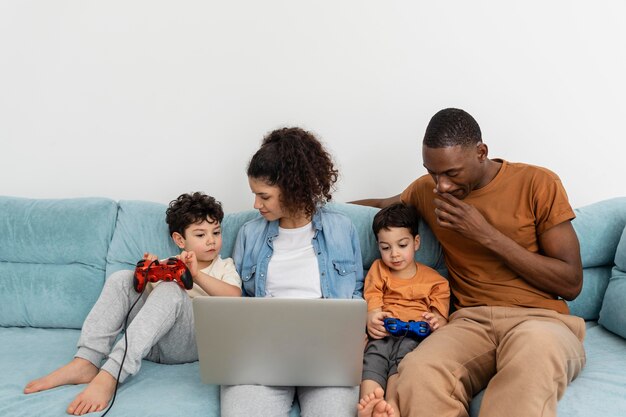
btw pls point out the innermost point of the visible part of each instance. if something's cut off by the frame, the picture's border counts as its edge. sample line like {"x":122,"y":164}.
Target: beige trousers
{"x":525,"y":358}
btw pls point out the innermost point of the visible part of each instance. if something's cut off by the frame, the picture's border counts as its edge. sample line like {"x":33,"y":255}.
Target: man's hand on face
{"x":461,"y":217}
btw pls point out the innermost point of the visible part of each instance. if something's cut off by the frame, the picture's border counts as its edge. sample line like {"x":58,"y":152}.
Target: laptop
{"x":280,"y":341}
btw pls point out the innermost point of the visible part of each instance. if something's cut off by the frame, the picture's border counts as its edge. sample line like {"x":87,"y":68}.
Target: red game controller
{"x":171,"y":269}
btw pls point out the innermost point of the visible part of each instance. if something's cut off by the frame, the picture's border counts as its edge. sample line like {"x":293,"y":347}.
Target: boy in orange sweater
{"x":397,"y":286}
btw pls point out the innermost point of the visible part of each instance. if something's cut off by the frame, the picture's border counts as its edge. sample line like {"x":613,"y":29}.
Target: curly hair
{"x":190,"y":209}
{"x":452,"y":127}
{"x":295,"y":161}
{"x":396,"y":215}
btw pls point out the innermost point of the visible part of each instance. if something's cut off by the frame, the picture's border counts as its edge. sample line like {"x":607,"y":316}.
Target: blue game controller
{"x":397,"y":327}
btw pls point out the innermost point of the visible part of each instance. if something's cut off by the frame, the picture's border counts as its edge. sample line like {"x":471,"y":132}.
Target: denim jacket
{"x":336,"y":246}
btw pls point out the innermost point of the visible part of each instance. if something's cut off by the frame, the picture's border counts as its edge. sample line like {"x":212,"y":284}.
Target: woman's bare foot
{"x":77,"y":371}
{"x":95,"y":397}
{"x":373,"y":405}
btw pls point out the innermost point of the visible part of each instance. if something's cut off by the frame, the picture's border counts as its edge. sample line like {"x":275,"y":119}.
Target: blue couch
{"x":56,"y":254}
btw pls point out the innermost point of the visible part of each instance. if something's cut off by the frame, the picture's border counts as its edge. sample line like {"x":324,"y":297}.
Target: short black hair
{"x":396,"y":215}
{"x":190,"y":209}
{"x":452,"y":127}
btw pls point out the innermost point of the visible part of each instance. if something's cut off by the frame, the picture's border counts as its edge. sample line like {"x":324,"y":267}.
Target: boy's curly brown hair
{"x":295,"y":161}
{"x":190,"y":209}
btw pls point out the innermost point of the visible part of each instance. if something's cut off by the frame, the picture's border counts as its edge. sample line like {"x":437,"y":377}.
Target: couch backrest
{"x":612,"y":315}
{"x":141,"y":227}
{"x":52,"y":259}
{"x":55,"y":254}
{"x":599,"y":228}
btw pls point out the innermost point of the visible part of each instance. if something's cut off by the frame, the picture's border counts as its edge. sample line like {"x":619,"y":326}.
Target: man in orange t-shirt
{"x":513,"y":258}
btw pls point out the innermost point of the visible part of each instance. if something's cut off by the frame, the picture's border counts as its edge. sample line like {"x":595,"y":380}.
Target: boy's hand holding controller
{"x":376,"y":325}
{"x":434,"y":319}
{"x":188,"y":257}
{"x":150,"y":257}
{"x":209,"y":284}
{"x":151,"y":269}
{"x":191,"y":262}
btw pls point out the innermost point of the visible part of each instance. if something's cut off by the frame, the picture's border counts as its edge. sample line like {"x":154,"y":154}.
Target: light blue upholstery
{"x":613,"y":313}
{"x":56,"y":254}
{"x":52,"y":259}
{"x":140,"y":228}
{"x":599,"y":228}
{"x":158,"y":390}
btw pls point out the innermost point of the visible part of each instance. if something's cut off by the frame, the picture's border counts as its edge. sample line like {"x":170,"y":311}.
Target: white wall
{"x":148,"y":99}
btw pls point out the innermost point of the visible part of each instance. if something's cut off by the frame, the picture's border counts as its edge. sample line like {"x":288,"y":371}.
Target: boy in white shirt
{"x":161,"y":325}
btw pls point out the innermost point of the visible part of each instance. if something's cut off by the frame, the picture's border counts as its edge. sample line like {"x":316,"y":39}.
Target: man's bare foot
{"x":77,"y":371}
{"x":95,"y":397}
{"x":373,"y":405}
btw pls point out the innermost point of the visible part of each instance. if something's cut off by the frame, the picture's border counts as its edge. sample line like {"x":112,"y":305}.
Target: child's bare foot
{"x":95,"y":397}
{"x":373,"y":405}
{"x":383,"y":409}
{"x":77,"y":371}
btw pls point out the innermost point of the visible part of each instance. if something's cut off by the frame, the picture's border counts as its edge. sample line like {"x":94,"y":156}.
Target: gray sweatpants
{"x":160,"y":329}
{"x":265,"y":401}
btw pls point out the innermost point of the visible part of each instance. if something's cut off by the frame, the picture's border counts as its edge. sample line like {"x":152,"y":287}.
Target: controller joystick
{"x":171,"y":269}
{"x":397,"y":327}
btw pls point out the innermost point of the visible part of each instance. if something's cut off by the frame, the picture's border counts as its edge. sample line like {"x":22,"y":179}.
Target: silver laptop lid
{"x":280,"y":341}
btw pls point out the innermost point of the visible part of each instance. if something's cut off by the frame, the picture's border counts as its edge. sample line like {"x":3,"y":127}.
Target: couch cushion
{"x":157,"y":390}
{"x":599,"y":227}
{"x":612,"y":315}
{"x":52,"y":259}
{"x":140,"y":228}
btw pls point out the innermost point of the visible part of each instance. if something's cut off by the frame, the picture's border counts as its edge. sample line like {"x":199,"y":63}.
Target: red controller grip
{"x":172,"y":270}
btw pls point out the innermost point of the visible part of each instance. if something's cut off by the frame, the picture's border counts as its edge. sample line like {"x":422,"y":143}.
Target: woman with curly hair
{"x":297,"y":248}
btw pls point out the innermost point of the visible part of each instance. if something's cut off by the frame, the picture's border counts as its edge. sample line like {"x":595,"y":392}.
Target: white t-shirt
{"x":293,"y":270}
{"x":222,"y":269}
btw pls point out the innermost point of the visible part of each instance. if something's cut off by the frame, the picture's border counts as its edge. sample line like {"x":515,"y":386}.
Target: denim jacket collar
{"x":335,"y":243}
